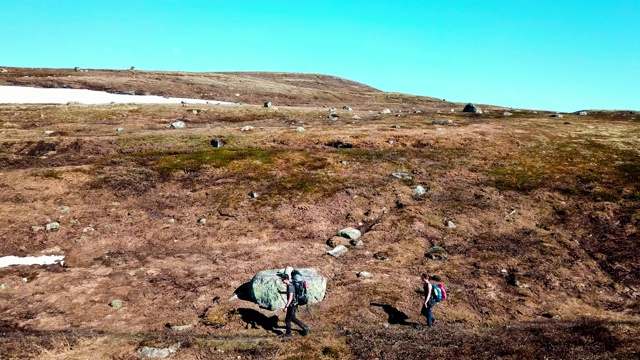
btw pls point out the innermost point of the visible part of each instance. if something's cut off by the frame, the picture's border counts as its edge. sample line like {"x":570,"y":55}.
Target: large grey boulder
{"x":268,"y":291}
{"x":471,"y":108}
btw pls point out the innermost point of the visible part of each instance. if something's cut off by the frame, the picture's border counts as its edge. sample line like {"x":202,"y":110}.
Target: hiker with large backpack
{"x":294,"y":298}
{"x":433,"y":293}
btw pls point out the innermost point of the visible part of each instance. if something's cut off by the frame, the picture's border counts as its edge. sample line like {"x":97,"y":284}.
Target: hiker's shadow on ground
{"x":258,"y":320}
{"x":396,"y":317}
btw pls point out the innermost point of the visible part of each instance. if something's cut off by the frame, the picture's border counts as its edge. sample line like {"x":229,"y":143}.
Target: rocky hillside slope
{"x":530,"y":221}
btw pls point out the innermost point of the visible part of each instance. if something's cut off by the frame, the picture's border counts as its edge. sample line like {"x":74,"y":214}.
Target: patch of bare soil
{"x":542,"y":260}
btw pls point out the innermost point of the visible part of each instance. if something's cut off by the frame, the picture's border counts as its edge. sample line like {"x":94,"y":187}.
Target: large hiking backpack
{"x":438,"y":292}
{"x":301,"y":295}
{"x":443,"y":291}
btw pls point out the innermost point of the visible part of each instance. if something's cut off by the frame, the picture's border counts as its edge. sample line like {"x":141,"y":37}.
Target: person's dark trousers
{"x":291,"y":316}
{"x":426,"y":312}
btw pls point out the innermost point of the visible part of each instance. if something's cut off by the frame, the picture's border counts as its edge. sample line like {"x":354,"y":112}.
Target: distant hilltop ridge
{"x":281,"y":88}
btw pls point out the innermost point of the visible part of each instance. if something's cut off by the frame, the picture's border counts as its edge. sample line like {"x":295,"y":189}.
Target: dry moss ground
{"x":554,"y":202}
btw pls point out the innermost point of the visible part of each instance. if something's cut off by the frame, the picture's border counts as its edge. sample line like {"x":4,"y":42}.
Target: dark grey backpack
{"x":301,"y":295}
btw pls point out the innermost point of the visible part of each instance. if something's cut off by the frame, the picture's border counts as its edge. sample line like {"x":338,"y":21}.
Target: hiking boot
{"x":306,"y":332}
{"x":285,"y":335}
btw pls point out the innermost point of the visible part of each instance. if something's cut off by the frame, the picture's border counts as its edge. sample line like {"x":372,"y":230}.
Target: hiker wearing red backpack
{"x":433,"y":293}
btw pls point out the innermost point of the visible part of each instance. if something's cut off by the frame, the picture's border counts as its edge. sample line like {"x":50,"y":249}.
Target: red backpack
{"x":440,"y":294}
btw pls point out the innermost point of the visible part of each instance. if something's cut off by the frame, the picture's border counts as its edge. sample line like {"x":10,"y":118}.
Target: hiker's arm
{"x":289,"y":299}
{"x":428,"y":295}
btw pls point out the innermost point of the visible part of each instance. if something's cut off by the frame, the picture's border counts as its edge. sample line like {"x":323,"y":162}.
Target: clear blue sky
{"x":562,"y":55}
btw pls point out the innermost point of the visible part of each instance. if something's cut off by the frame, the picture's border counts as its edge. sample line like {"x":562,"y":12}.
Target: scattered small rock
{"x":48,"y":132}
{"x":153,"y":352}
{"x":63,"y":208}
{"x":507,"y":113}
{"x":171,"y":221}
{"x":390,"y":142}
{"x":418,"y":112}
{"x":267,"y":104}
{"x":395,"y":126}
{"x":549,"y":315}
{"x":419,"y":191}
{"x":337,"y":240}
{"x":88,"y":229}
{"x":179,"y":327}
{"x":384,"y":112}
{"x":356,"y":243}
{"x":253,"y":194}
{"x":116,"y":304}
{"x":37,"y":228}
{"x":583,"y":113}
{"x":556,"y":115}
{"x":344,"y":162}
{"x":300,"y":129}
{"x":566,"y":123}
{"x":333,"y":116}
{"x":472,"y":108}
{"x":350,"y":233}
{"x":119,"y":129}
{"x":401,"y":175}
{"x":364,"y":274}
{"x":436,"y":253}
{"x":380,"y":257}
{"x":246,"y":128}
{"x":3,"y":286}
{"x":52,"y":226}
{"x":450,"y":224}
{"x":338,"y":251}
{"x":356,"y":117}
{"x":202,"y":221}
{"x":339,"y":145}
{"x":217,"y":143}
{"x":177,"y":125}
{"x":441,"y":122}
{"x":346,"y":107}
{"x":194,"y":112}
